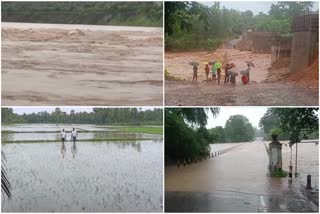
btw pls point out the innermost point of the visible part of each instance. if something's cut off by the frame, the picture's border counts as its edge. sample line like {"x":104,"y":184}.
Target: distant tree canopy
{"x":185,"y":132}
{"x":95,"y":13}
{"x":112,"y":116}
{"x":239,"y":129}
{"x":195,"y":26}
{"x":296,"y":123}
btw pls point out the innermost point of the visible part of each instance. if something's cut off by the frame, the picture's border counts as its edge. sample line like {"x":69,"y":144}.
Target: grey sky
{"x":254,"y":6}
{"x":30,"y":110}
{"x":252,"y":113}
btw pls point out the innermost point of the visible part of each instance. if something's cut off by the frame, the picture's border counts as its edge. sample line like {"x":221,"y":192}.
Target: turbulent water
{"x":104,"y":176}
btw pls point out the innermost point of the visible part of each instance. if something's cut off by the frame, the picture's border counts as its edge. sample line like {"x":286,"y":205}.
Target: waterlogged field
{"x":118,"y":175}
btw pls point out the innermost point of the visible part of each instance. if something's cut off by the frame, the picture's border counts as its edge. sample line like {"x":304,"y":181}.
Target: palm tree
{"x":5,"y":183}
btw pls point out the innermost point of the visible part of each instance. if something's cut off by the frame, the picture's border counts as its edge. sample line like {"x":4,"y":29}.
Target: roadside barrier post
{"x":308,"y":182}
{"x":290,"y":173}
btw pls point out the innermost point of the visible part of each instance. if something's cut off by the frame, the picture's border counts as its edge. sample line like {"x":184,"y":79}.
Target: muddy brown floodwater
{"x":237,"y":181}
{"x":49,"y":64}
{"x":257,"y":93}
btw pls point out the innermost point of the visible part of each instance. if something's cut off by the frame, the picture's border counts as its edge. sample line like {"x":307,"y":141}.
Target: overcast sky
{"x":30,"y":110}
{"x":254,"y":6}
{"x":252,"y":113}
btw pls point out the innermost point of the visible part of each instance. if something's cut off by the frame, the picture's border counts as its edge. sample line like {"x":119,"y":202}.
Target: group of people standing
{"x":216,"y":70}
{"x":74,"y":136}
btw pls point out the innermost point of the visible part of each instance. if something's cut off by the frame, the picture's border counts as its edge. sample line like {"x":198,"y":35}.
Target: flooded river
{"x":100,"y":65}
{"x":103,"y":176}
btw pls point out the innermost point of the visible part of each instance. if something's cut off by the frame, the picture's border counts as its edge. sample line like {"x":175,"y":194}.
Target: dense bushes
{"x":97,"y":13}
{"x":185,"y":134}
{"x":195,"y":26}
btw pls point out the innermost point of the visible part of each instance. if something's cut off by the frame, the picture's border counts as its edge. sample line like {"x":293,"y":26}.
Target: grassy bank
{"x":143,"y":129}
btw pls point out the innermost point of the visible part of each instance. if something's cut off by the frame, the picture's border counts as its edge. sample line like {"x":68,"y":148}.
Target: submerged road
{"x":236,"y":181}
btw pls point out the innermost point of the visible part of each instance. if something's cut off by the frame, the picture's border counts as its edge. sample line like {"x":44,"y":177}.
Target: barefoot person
{"x":207,"y":70}
{"x":195,"y":73}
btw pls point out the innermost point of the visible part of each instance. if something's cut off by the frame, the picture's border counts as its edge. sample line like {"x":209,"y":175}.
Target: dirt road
{"x":258,"y":92}
{"x":49,"y":64}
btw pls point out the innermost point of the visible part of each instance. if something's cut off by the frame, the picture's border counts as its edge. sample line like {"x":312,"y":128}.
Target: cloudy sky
{"x":254,"y":6}
{"x":252,"y":113}
{"x":29,"y":110}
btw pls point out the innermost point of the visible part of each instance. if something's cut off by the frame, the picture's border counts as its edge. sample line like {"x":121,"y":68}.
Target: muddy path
{"x":257,"y":93}
{"x":48,"y":64}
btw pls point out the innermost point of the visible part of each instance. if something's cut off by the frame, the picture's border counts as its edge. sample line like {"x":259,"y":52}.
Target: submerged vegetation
{"x":93,"y":13}
{"x":196,"y":26}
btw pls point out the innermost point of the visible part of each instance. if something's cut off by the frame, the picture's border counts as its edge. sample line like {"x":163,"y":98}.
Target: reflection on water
{"x":63,"y":149}
{"x":74,"y":149}
{"x":99,"y":177}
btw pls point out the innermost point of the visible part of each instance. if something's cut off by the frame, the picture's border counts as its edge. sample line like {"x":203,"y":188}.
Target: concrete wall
{"x":305,"y":43}
{"x":281,"y":50}
{"x":263,"y":41}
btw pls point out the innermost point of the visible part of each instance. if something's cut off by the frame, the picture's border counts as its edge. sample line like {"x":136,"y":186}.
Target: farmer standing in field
{"x":74,"y":135}
{"x":63,"y":136}
{"x":63,"y":147}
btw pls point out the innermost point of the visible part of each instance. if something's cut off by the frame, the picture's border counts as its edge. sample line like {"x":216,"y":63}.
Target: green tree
{"x":185,"y":132}
{"x":218,"y":134}
{"x":239,"y":129}
{"x":299,"y":123}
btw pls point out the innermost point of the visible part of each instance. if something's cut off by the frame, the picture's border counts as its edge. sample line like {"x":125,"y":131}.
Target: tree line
{"x":186,"y":135}
{"x":109,"y":116}
{"x":93,"y":13}
{"x":195,"y":26}
{"x":296,"y":123}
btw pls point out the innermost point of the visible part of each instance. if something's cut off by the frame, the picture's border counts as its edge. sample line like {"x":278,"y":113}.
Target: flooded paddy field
{"x":102,"y":176}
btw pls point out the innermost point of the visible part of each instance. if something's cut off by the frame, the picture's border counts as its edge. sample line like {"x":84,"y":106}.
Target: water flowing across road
{"x":238,"y":181}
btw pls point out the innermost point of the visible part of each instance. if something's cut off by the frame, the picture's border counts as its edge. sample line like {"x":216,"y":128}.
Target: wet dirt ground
{"x":50,"y":64}
{"x":236,"y":181}
{"x":258,"y":93}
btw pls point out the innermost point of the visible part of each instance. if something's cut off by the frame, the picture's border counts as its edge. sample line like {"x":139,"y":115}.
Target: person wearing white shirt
{"x":74,"y":135}
{"x":63,"y":135}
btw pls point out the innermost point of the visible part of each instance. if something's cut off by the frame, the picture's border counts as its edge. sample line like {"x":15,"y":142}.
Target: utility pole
{"x":296,"y":167}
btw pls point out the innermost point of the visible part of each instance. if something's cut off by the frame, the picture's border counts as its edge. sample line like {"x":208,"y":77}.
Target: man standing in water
{"x":63,"y":147}
{"x":63,"y":136}
{"x":74,"y":135}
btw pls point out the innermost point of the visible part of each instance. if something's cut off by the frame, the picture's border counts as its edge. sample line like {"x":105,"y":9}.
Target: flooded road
{"x":45,"y":64}
{"x":258,"y":93}
{"x":104,"y":176}
{"x":235,"y":181}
